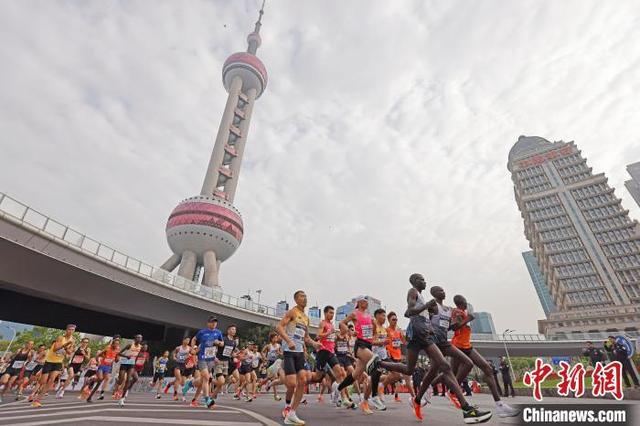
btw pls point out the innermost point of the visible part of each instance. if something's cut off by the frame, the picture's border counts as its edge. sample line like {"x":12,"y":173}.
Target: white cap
{"x":359,"y":298}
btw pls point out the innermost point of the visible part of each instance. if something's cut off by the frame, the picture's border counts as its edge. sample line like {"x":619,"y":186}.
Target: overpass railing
{"x":30,"y":218}
{"x":595,"y":337}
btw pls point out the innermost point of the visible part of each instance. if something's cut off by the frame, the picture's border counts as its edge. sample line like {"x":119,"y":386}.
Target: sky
{"x":378,"y":149}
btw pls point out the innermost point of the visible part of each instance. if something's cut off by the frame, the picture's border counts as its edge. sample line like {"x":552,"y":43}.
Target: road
{"x":144,"y":409}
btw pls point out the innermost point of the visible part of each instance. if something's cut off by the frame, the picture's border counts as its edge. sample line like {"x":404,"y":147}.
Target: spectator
{"x":594,"y":354}
{"x":620,"y":354}
{"x":495,"y":375}
{"x":506,"y":378}
{"x":608,"y":348}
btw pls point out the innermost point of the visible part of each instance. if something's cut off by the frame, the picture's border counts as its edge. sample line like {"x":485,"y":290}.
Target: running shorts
{"x":189,"y":371}
{"x":76,"y":368}
{"x":293,"y":362}
{"x":180,"y":367}
{"x":105,"y":369}
{"x":361,"y":344}
{"x":325,"y":357}
{"x":158,"y":376}
{"x":441,"y":340}
{"x":466,"y":351}
{"x":345,"y":360}
{"x":37,"y":369}
{"x":222,"y":368}
{"x":50,"y":367}
{"x":89,"y":374}
{"x":206,"y":364}
{"x":245,"y":369}
{"x":12,"y":371}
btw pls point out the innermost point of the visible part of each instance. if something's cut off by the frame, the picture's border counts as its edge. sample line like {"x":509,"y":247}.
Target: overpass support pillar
{"x":188,"y":265}
{"x":210,"y":269}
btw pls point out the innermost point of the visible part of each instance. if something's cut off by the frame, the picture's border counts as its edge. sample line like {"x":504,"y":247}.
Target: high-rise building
{"x":343,"y":310}
{"x":281,"y":308}
{"x":587,"y":247}
{"x":539,"y":283}
{"x":633,"y":184}
{"x":482,"y":323}
{"x":314,"y":312}
{"x":205,"y":230}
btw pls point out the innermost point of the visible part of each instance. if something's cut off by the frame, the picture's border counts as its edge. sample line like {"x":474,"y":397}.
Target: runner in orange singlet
{"x":394,"y":349}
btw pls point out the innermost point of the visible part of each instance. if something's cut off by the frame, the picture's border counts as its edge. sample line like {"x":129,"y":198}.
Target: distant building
{"x":7,"y":329}
{"x":344,"y":310}
{"x":482,"y":323}
{"x":314,"y":312}
{"x":281,"y":308}
{"x":539,"y":283}
{"x":633,"y":184}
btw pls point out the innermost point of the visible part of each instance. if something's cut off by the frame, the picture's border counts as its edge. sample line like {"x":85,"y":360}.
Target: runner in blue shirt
{"x":208,"y":340}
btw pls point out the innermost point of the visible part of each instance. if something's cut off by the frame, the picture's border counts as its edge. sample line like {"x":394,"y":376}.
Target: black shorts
{"x":325,"y":357}
{"x":245,"y":369}
{"x":76,"y":368}
{"x":37,"y":369}
{"x":466,"y":351}
{"x":344,"y":360}
{"x":441,"y":340}
{"x":361,"y":344}
{"x":293,"y":362}
{"x":158,"y":376}
{"x":89,"y":374}
{"x":12,"y":371}
{"x":50,"y":367}
{"x":231,"y":366}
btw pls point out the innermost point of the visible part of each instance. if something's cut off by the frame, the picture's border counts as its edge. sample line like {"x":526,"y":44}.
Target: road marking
{"x":138,"y":420}
{"x":253,"y":414}
{"x":125,"y":408}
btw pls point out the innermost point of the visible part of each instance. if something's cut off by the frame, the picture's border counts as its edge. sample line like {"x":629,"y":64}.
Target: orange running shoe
{"x":397,"y":398}
{"x":454,"y":400}
{"x":194,"y":404}
{"x":285,"y":412}
{"x":417,"y":410}
{"x":175,"y":397}
{"x":36,"y":404}
{"x":365,"y":407}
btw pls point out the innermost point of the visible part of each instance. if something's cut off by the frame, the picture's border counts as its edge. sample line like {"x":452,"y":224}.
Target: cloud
{"x":379,"y":148}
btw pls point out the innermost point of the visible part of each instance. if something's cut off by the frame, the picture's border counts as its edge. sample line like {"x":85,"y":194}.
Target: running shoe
{"x":248,"y":398}
{"x":372,"y":364}
{"x":101,"y":397}
{"x":36,"y":404}
{"x":194,"y":403}
{"x":454,"y":400}
{"x":121,"y":402}
{"x":210,"y":402}
{"x":472,"y":415}
{"x":365,"y":407}
{"x":505,"y":410}
{"x":348,"y":404}
{"x":30,"y":399}
{"x":175,"y":397}
{"x":277,"y":397}
{"x":186,"y":387}
{"x":158,"y":396}
{"x":236,"y":397}
{"x":397,"y":398}
{"x":285,"y":411}
{"x":166,"y":388}
{"x":417,"y":410}
{"x":377,"y":403}
{"x":293,"y":419}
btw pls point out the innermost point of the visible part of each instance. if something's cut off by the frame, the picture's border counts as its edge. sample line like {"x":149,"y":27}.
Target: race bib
{"x":17,"y":364}
{"x":61,"y":352}
{"x":342,"y":347}
{"x":77,"y":359}
{"x":397,"y":343}
{"x":299,"y":332}
{"x":331,"y":337}
{"x":108,"y":361}
{"x":444,"y":322}
{"x":31,"y":365}
{"x":210,"y":352}
{"x":126,"y":361}
{"x":367,"y":331}
{"x":140,"y":361}
{"x":227,"y":351}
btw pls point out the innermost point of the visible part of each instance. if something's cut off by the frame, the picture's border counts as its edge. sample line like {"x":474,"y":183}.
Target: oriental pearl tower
{"x":205,"y":230}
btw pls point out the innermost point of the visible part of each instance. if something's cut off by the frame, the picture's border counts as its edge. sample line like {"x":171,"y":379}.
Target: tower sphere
{"x":200,"y":224}
{"x":249,"y":68}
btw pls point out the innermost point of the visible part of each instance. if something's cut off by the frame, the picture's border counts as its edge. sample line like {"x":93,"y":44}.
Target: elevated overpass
{"x":51,"y":274}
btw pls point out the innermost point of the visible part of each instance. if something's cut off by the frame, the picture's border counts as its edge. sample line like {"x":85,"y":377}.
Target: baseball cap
{"x":359,"y":298}
{"x":212,"y":318}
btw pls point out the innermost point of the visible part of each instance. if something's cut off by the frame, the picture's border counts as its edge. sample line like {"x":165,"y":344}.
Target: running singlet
{"x":141,"y":359}
{"x":462,"y":336}
{"x":441,"y":320}
{"x":272,"y":353}
{"x":30,"y":365}
{"x":130,"y":355}
{"x":296,"y":330}
{"x":108,"y":357}
{"x":56,"y":357}
{"x":256,"y":360}
{"x":248,"y":359}
{"x":364,"y":326}
{"x":328,"y":342}
{"x":162,"y":365}
{"x":183,"y":353}
{"x":227,"y":349}
{"x":419,"y":325}
{"x":381,"y":335}
{"x":395,"y":343}
{"x":191,"y":361}
{"x":19,"y":360}
{"x":207,"y":349}
{"x":342,"y":346}
{"x":78,"y":357}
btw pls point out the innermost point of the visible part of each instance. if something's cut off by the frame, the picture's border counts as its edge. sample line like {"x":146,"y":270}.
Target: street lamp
{"x":504,"y":341}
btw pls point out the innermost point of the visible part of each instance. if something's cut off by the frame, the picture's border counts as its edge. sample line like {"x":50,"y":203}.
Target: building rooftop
{"x":527,"y":145}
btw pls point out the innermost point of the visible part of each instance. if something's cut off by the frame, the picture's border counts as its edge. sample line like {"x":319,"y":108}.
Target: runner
{"x":394,"y":349}
{"x":60,"y":348}
{"x":428,"y":336}
{"x":208,"y":340}
{"x":225,"y":367}
{"x":379,"y":347}
{"x":272,"y":352}
{"x":82,"y":354}
{"x":128,"y":374}
{"x":366,"y":360}
{"x":180,"y":355}
{"x":327,"y":363}
{"x":294,"y":330}
{"x":106,"y":358}
{"x":15,"y":366}
{"x":346,"y":360}
{"x":159,"y":367}
{"x":141,"y":361}
{"x":90,"y":377}
{"x":33,"y":370}
{"x":460,"y":320}
{"x":191,"y":373}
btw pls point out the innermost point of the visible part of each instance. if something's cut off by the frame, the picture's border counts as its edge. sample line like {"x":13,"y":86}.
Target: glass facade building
{"x":539,"y":283}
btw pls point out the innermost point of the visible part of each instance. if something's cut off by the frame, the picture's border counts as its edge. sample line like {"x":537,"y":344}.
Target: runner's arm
{"x":288,"y":317}
{"x":413,"y":308}
{"x":458,"y":322}
{"x":344,"y":324}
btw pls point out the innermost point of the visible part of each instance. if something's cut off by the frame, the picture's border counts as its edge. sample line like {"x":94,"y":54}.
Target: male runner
{"x":225,"y":367}
{"x":346,"y":360}
{"x":33,"y":370}
{"x":460,"y":320}
{"x":294,"y":331}
{"x":159,"y":367}
{"x":326,"y":359}
{"x":106,"y":358}
{"x":394,"y":349}
{"x":272,"y":352}
{"x":208,"y":341}
{"x":379,"y":347}
{"x":180,"y":354}
{"x":22,"y":357}
{"x":82,"y":354}
{"x":60,"y":348}
{"x":128,"y":374}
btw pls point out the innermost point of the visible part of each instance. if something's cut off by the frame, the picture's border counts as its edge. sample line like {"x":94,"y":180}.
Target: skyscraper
{"x":586,"y":245}
{"x":205,"y":230}
{"x":539,"y":283}
{"x":633,"y":184}
{"x":482,"y":323}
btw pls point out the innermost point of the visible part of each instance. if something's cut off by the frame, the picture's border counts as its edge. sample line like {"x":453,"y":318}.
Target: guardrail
{"x":595,"y":337}
{"x":55,"y":230}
